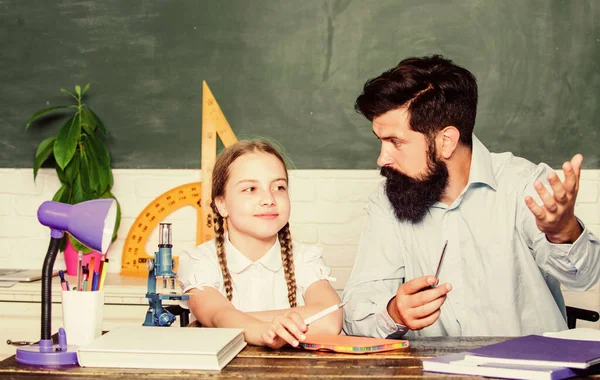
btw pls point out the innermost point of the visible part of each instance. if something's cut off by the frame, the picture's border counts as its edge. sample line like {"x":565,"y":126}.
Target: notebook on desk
{"x":541,"y":351}
{"x":459,"y":365}
{"x":22,"y":275}
{"x":163,"y":347}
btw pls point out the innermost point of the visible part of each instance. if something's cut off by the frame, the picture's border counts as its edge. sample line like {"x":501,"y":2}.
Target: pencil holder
{"x":82,"y":316}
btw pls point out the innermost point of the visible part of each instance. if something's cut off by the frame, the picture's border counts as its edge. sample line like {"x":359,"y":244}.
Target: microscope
{"x":161,"y":268}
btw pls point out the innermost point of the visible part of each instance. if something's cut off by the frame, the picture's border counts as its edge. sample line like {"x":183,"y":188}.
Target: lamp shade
{"x":91,"y":222}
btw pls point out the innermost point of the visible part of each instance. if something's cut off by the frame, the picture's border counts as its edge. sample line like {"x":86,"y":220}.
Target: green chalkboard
{"x":291,"y":70}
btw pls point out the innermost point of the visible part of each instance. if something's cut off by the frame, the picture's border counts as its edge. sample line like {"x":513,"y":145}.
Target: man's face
{"x":415,"y":178}
{"x":402,"y":149}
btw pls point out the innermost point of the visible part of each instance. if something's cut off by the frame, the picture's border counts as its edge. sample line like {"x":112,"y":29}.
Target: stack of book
{"x":527,"y":357}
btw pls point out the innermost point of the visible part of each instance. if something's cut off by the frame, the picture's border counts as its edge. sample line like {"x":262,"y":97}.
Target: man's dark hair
{"x":436,"y":92}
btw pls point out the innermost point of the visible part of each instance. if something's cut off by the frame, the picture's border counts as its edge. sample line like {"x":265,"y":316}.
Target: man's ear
{"x":449,"y":138}
{"x":220,"y":203}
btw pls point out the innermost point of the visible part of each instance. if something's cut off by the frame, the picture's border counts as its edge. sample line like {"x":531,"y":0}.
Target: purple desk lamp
{"x":92,"y":223}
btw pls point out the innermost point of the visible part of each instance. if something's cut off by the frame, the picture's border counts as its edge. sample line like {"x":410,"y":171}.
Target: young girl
{"x":252,"y":275}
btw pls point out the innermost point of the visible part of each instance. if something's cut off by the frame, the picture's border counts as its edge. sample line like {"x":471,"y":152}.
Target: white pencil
{"x":323,"y":313}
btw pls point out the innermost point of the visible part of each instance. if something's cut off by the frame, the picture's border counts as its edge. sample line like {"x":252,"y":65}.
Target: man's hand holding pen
{"x":417,"y":304}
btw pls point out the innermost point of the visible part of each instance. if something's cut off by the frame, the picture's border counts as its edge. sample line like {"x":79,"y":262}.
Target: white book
{"x":583,"y":333}
{"x":163,"y":347}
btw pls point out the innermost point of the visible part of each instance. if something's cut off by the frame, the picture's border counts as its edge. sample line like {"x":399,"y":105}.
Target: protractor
{"x":134,"y":252}
{"x":214,"y":123}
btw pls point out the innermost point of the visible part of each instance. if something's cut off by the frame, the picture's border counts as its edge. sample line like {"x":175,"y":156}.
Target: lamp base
{"x":45,"y":353}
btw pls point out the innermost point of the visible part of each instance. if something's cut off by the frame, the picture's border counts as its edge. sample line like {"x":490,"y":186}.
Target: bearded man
{"x":511,"y":232}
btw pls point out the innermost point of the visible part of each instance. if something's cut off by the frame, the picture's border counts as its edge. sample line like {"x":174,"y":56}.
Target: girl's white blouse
{"x":258,"y":285}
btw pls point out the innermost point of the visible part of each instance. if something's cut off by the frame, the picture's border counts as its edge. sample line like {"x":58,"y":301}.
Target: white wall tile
{"x":25,"y":227}
{"x":588,"y":213}
{"x":339,"y":256}
{"x":301,"y":189}
{"x":7,"y":204}
{"x":588,"y":191}
{"x":348,"y":191}
{"x":595,"y":229}
{"x":326,"y":212}
{"x":304,"y":232}
{"x":341,"y":234}
{"x":20,"y":182}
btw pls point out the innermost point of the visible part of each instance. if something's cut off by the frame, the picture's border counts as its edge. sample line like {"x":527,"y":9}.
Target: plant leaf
{"x":62,"y":194}
{"x":100,"y":123}
{"x":44,"y":151}
{"x":111,"y":180}
{"x":79,"y":194}
{"x":87,"y":86}
{"x":40,"y":113}
{"x":61,"y":175}
{"x":72,"y":169}
{"x":78,"y":90}
{"x":89,"y":159}
{"x":87,"y":129}
{"x":63,"y":242}
{"x":89,"y":121}
{"x":66,"y":141}
{"x":103,"y":178}
{"x":64,"y":90}
{"x":79,"y":246}
{"x":100,"y":149}
{"x":84,"y":174}
{"x":97,"y":163}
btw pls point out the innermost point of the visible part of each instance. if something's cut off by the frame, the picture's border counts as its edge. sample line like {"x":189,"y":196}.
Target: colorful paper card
{"x":351,"y":344}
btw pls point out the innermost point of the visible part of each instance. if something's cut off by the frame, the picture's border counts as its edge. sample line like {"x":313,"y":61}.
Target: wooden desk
{"x":288,"y":363}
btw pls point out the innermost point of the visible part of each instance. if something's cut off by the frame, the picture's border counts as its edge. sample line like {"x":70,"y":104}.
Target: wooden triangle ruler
{"x":197,"y":195}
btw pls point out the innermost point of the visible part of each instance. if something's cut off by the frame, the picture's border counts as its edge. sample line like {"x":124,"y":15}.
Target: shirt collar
{"x":482,"y":170}
{"x":237,"y":262}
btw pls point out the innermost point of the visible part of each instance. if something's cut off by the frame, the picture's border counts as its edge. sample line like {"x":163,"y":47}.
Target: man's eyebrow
{"x":388,"y":138}
{"x":384,"y":138}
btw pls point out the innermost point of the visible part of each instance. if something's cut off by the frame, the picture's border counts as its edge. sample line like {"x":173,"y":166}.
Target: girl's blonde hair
{"x":219,"y":180}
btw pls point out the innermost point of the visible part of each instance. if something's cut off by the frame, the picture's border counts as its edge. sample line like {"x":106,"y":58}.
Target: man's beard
{"x":412,"y":197}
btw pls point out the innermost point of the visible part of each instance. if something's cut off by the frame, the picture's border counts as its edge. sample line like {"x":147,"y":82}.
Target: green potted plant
{"x":82,"y":162}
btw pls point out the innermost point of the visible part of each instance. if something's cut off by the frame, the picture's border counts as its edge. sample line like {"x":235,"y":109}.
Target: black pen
{"x":439,"y":267}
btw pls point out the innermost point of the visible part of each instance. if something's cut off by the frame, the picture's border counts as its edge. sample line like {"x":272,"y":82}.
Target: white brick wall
{"x":328,"y":208}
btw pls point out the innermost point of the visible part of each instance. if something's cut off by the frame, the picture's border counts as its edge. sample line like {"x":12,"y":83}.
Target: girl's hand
{"x":288,"y":328}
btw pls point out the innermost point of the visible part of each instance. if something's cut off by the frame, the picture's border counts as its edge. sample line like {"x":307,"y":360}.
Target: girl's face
{"x":256,"y":203}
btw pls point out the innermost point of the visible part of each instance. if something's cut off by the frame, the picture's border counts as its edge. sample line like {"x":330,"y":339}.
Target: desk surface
{"x":289,"y":363}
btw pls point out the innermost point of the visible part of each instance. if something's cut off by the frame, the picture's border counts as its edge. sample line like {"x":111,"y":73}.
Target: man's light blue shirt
{"x":504,"y":273}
